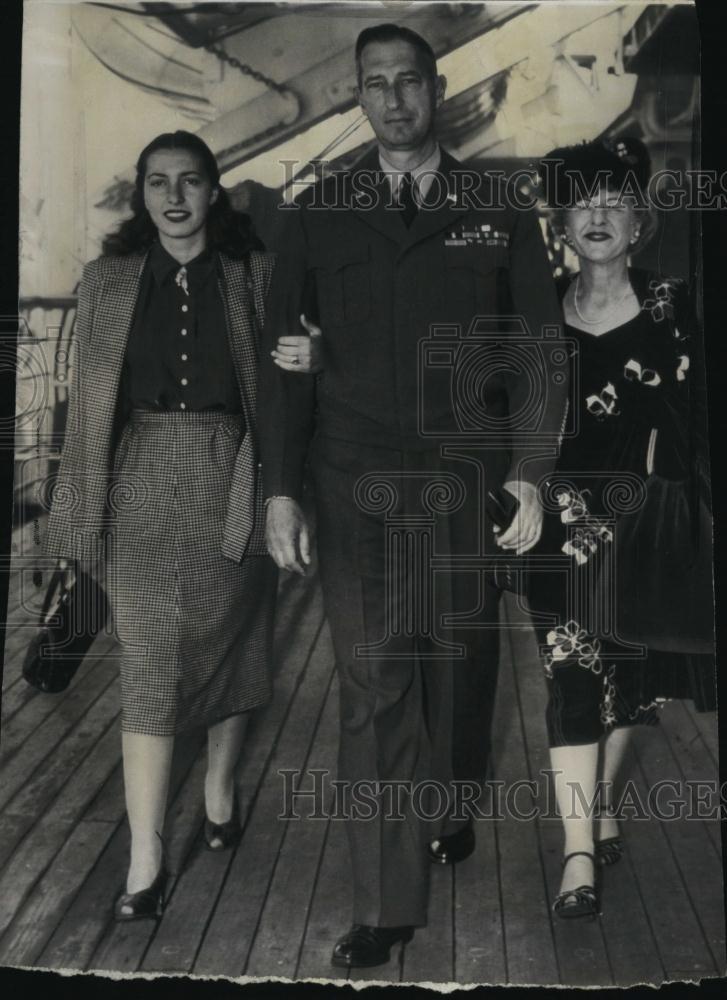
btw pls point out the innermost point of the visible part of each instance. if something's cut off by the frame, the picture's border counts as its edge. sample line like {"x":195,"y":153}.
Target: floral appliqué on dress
{"x":603,"y":404}
{"x":570,"y":641}
{"x":661,"y":301}
{"x":582,"y":541}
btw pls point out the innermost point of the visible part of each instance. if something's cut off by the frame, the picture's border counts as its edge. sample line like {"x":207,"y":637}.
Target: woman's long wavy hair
{"x":228,"y":230}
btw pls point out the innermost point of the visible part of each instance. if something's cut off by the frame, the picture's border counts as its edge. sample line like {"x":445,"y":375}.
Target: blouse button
{"x":184,"y":381}
{"x":182,"y":406}
{"x":184,"y":357}
{"x":185,"y":308}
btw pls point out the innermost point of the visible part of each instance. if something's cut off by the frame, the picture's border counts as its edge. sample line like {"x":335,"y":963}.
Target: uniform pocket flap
{"x":334,"y":258}
{"x":476,"y":258}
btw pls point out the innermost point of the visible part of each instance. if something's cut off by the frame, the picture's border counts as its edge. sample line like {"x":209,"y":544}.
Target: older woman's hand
{"x":301,"y":353}
{"x":527,"y":525}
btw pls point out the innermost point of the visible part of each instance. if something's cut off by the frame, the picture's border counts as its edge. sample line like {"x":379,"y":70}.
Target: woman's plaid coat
{"x":79,"y":491}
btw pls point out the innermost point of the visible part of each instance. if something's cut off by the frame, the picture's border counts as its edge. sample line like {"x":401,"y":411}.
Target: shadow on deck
{"x":276,"y":904}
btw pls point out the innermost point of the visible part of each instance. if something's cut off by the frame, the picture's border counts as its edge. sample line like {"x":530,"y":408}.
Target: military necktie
{"x":407,"y":199}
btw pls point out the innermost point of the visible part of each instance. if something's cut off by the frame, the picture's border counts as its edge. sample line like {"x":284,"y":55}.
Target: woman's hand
{"x":302,"y":354}
{"x":527,"y":525}
{"x":68,"y":573}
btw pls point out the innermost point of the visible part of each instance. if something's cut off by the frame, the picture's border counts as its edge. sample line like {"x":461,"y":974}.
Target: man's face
{"x":398,"y":95}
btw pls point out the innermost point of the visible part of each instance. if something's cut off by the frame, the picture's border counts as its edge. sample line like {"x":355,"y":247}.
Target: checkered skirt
{"x":195,"y":627}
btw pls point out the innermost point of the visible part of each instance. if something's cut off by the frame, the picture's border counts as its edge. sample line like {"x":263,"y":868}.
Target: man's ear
{"x":440,"y":88}
{"x":357,"y":96}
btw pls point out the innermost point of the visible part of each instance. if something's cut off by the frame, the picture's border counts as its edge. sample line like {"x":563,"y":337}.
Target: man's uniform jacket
{"x":376,"y":288}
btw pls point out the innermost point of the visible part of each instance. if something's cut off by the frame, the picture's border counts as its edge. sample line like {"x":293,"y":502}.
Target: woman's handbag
{"x":70,"y":619}
{"x":663,"y":570}
{"x":510,"y":572}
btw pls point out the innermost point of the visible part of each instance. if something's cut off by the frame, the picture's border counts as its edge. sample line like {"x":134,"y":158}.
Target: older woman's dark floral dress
{"x":625,"y":509}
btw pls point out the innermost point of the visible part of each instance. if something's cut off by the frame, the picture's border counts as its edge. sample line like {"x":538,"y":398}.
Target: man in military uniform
{"x":379,"y":257}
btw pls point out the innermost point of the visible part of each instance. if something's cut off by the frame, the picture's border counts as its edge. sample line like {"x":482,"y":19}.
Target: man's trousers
{"x":416,"y":688}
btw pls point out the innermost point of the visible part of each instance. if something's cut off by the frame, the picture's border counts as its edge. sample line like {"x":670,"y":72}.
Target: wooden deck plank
{"x":25,"y":597}
{"x":124,"y":946}
{"x":674,"y":923}
{"x":17,"y":695}
{"x":199,"y":876}
{"x":47,"y":719}
{"x":40,"y":915}
{"x":529,"y":945}
{"x":47,"y":783}
{"x":25,"y":556}
{"x":17,"y":640}
{"x":284,"y":895}
{"x":689,"y":741}
{"x":330,"y":912}
{"x":177,"y":941}
{"x":38,"y":848}
{"x":90,"y":914}
{"x":252,"y":867}
{"x":692,"y":755}
{"x":23,"y":611}
{"x":479,"y":946}
{"x":110,"y":796}
{"x":706,"y":724}
{"x":632,"y":947}
{"x":699,"y":864}
{"x":278,"y":942}
{"x":582,"y":956}
{"x":429,"y":956}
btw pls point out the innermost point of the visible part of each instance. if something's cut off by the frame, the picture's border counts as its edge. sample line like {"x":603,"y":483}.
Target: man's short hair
{"x":389,"y":32}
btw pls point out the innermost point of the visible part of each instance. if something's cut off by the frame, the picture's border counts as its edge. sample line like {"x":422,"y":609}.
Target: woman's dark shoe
{"x":609,"y":850}
{"x":147,"y":904}
{"x":222,"y":836}
{"x":581,"y":901}
{"x":366,"y":946}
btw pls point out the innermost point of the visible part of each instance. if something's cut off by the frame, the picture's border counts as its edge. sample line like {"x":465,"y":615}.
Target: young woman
{"x":626,"y":506}
{"x":160,"y":459}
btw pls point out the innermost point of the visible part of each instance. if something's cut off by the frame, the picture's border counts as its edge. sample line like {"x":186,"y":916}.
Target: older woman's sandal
{"x":609,"y":850}
{"x":579,"y":902}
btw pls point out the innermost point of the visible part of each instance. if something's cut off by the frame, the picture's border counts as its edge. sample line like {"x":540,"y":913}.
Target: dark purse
{"x":663,"y":567}
{"x":509,"y":571}
{"x":70,"y":619}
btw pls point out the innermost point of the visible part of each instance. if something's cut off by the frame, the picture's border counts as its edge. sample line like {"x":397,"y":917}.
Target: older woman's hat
{"x":570,"y":174}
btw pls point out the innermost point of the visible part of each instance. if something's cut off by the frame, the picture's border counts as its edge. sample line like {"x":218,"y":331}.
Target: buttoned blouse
{"x":178,"y":356}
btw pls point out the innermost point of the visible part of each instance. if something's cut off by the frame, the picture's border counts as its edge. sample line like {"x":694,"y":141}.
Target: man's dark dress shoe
{"x":366,"y":946}
{"x":454,"y":847}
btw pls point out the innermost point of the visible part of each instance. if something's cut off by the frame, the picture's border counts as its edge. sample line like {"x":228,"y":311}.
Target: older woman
{"x":629,"y":622}
{"x":160,"y":456}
